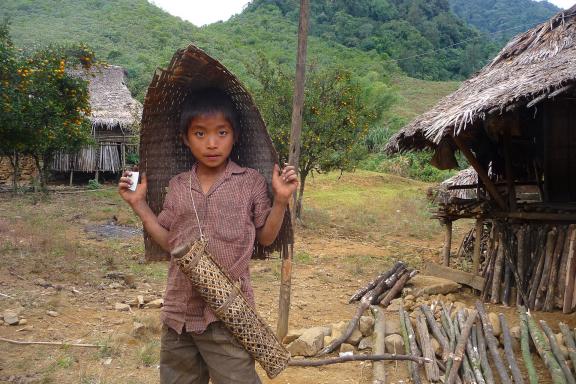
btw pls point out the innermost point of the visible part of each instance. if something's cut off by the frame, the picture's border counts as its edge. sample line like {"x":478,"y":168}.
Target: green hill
{"x":503,"y":19}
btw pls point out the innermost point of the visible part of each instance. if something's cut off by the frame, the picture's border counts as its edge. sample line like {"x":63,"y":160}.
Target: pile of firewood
{"x":535,"y":260}
{"x":469,"y":352}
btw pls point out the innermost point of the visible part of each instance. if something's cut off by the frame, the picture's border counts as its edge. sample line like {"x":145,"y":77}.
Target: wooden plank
{"x":460,"y":277}
{"x":447,"y":243}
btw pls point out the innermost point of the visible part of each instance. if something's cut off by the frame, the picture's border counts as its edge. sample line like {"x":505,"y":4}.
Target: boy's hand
{"x":284,"y":183}
{"x":133,"y":198}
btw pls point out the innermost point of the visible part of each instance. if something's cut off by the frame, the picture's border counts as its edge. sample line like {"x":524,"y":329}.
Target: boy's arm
{"x":137,"y":200}
{"x":284,"y":185}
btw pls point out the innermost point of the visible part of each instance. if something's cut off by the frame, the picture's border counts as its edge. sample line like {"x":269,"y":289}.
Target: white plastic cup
{"x":134,"y":178}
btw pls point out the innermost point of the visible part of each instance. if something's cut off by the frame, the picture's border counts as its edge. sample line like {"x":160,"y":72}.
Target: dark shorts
{"x":192,"y":358}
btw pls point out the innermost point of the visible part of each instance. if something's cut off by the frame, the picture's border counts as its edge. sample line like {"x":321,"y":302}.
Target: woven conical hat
{"x":162,"y":153}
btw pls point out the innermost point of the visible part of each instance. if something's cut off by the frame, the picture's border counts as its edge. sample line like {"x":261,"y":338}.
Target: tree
{"x":44,"y":108}
{"x":336,"y":118}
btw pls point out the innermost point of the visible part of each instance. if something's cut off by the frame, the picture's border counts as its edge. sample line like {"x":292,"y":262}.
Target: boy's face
{"x":210,"y":138}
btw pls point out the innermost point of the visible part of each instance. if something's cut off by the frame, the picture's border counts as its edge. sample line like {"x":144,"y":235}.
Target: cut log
{"x":486,"y":369}
{"x":516,"y":375}
{"x":525,"y":347}
{"x":460,"y":346}
{"x":397,"y":288}
{"x":431,"y":368}
{"x":543,"y":286}
{"x":465,"y":367}
{"x":436,"y":332}
{"x":408,"y":345}
{"x":492,"y":344}
{"x":536,"y":276}
{"x":571,"y":268}
{"x":378,"y":368}
{"x":471,"y":351}
{"x":383,"y":276}
{"x":498,"y":269}
{"x":558,"y":353}
{"x":570,"y":344}
{"x":507,"y":285}
{"x":550,"y":301}
{"x":562,"y":270}
{"x":543,"y":348}
{"x":521,"y":240}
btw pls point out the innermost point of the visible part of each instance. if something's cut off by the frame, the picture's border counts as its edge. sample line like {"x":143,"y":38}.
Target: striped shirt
{"x":230,"y":212}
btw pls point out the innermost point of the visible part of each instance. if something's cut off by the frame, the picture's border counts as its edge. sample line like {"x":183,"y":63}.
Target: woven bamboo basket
{"x":231,"y":307}
{"x":162,"y":153}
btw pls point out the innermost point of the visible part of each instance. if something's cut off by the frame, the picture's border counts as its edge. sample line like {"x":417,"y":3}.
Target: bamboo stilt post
{"x":460,"y":346}
{"x":294,"y":159}
{"x":447,"y":243}
{"x":525,"y":347}
{"x":490,"y":187}
{"x":543,"y":348}
{"x":509,"y":353}
{"x":378,"y":368}
{"x":570,"y":344}
{"x":558,"y":353}
{"x":492,"y":344}
{"x":478,"y":229}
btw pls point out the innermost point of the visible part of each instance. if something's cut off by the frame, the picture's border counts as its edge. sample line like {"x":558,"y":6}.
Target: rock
{"x":130,"y":281}
{"x":394,"y":344}
{"x":328,"y":340}
{"x":122,"y":307}
{"x":158,"y":303}
{"x":495,"y":321}
{"x":436,"y":346}
{"x":515,"y":332}
{"x":429,"y":285}
{"x":394,"y":305}
{"x":338,"y":329}
{"x":41,"y":282}
{"x":450,"y":297}
{"x":409,"y":298}
{"x":292,"y":335}
{"x":366,"y":343}
{"x":140,"y":301}
{"x":138,"y":329}
{"x":392,"y":324}
{"x":559,"y":339}
{"x":344,"y":347}
{"x":10,"y":317}
{"x":355,"y":337}
{"x":22,"y":322}
{"x":564,"y":351}
{"x":366,"y":325}
{"x":115,"y":285}
{"x":52,"y":313}
{"x":309,"y":343}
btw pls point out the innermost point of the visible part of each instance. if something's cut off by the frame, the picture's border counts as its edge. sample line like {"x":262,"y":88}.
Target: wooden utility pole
{"x":294,"y":158}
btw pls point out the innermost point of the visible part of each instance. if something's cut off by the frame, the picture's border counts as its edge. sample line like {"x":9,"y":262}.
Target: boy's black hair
{"x":208,"y":101}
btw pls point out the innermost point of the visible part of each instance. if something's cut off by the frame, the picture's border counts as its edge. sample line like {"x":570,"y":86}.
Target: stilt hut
{"x":515,"y":124}
{"x":115,"y":118}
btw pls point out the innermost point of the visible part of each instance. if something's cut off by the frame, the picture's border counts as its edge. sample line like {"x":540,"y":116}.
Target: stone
{"x":394,"y":344}
{"x":495,"y":321}
{"x":115,"y":285}
{"x":338,"y":329}
{"x":158,"y":303}
{"x":366,"y":325}
{"x":394,"y":305}
{"x":409,"y":298}
{"x":121,"y":307}
{"x":140,"y":301}
{"x":309,"y":343}
{"x":52,"y":313}
{"x":515,"y":332}
{"x":138,"y":329}
{"x":559,"y":339}
{"x":328,"y":340}
{"x":22,"y":322}
{"x":11,"y":317}
{"x":366,"y":343}
{"x":292,"y":335}
{"x":355,"y":337}
{"x":425,"y":286}
{"x":450,"y":297}
{"x":392,"y":324}
{"x":344,"y":347}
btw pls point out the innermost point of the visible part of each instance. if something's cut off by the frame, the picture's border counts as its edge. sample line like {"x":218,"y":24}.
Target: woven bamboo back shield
{"x":162,"y":153}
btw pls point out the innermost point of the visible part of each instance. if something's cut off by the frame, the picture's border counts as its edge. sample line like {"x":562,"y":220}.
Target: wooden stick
{"x":442,"y":340}
{"x":408,"y":345}
{"x":398,"y":286}
{"x":478,"y":229}
{"x":472,"y":352}
{"x":550,"y":245}
{"x":383,"y":276}
{"x":378,"y":369}
{"x":49,"y":343}
{"x":511,"y":265}
{"x":497,"y":274}
{"x":449,"y":329}
{"x":516,"y":375}
{"x":506,"y":293}
{"x":5,"y":295}
{"x":344,"y":359}
{"x":562,"y":269}
{"x":558,"y":353}
{"x":537,"y":275}
{"x":462,"y":340}
{"x":466,"y":368}
{"x":489,"y":270}
{"x":294,"y":159}
{"x":431,"y":368}
{"x":525,"y":346}
{"x":543,"y":348}
{"x":553,"y":280}
{"x":570,"y":344}
{"x":486,"y":370}
{"x":492,"y":344}
{"x":521,"y":238}
{"x":447,"y":243}
{"x":571,"y":272}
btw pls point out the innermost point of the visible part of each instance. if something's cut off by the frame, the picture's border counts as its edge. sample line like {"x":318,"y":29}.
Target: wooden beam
{"x":540,"y":216}
{"x":479,"y":228}
{"x":447,"y":243}
{"x":294,"y":159}
{"x":490,"y":187}
{"x":509,"y":173}
{"x":459,"y":277}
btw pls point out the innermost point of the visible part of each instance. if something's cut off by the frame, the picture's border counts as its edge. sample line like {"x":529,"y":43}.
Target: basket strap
{"x":229,"y":300}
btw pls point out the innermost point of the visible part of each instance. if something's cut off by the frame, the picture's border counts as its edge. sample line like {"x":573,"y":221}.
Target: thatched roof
{"x":467,"y":176}
{"x":110,"y":100}
{"x":534,"y":66}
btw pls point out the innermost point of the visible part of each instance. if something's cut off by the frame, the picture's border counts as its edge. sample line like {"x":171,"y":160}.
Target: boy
{"x":233,"y":211}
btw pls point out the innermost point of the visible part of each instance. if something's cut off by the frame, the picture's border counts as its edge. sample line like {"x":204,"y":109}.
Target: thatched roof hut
{"x":535,"y":66}
{"x":459,"y":186}
{"x":115,"y":117}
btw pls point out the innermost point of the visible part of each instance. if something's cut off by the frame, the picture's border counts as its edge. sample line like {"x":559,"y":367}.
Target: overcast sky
{"x":206,"y":12}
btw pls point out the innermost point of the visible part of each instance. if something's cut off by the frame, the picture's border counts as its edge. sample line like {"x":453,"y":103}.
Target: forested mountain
{"x":503,"y":19}
{"x":408,"y":31}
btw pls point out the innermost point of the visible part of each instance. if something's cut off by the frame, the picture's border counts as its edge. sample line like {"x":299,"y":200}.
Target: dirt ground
{"x":51,"y":263}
